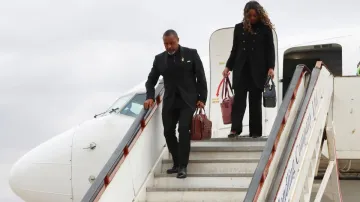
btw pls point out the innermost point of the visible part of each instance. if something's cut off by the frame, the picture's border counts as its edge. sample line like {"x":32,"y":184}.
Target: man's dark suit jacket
{"x":189,"y":80}
{"x":258,"y":48}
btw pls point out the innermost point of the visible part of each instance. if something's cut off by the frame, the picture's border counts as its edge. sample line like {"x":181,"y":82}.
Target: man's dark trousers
{"x":181,"y":113}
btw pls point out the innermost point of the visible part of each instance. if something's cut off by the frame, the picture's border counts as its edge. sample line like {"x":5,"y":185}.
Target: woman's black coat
{"x":258,"y":48}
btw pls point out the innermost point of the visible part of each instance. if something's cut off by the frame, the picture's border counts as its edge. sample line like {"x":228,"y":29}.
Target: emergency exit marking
{"x":215,"y":100}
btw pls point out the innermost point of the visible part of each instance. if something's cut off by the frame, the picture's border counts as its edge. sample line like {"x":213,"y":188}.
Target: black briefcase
{"x":269,"y":94}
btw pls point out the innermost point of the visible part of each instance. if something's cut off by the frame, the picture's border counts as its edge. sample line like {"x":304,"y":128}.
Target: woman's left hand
{"x":271,"y":73}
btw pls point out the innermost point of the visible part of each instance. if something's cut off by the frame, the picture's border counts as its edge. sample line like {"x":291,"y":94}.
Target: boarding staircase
{"x":218,"y":169}
{"x":280,"y":167}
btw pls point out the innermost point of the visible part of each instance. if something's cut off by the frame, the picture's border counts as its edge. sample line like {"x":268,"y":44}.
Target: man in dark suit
{"x":185,"y":89}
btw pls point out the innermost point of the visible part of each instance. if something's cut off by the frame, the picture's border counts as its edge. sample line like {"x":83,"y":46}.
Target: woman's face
{"x":252,"y":16}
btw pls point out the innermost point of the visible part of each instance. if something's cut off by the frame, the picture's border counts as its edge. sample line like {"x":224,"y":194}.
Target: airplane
{"x":63,"y":168}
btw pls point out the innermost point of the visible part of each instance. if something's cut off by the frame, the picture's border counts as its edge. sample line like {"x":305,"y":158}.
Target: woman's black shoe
{"x":255,"y":136}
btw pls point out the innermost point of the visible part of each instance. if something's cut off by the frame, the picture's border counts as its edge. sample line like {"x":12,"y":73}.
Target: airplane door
{"x":220,"y":47}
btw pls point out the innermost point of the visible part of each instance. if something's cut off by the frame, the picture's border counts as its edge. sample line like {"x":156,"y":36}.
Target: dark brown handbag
{"x":201,"y":127}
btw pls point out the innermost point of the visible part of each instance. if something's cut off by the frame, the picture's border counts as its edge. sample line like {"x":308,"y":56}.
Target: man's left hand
{"x":200,"y":104}
{"x":271,"y":73}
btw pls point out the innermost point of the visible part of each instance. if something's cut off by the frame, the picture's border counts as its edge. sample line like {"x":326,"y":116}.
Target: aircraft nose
{"x":44,"y":173}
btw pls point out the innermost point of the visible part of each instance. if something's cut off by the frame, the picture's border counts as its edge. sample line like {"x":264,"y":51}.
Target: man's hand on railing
{"x":148,"y":103}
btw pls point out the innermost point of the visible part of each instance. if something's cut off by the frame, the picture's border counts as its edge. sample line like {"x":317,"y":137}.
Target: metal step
{"x":216,"y":166}
{"x":219,"y":169}
{"x":207,"y":175}
{"x":229,"y":144}
{"x":219,"y":155}
{"x":237,"y":139}
{"x":243,"y":160}
{"x":166,"y":189}
{"x":195,"y":195}
{"x":195,"y":181}
{"x":227,"y":149}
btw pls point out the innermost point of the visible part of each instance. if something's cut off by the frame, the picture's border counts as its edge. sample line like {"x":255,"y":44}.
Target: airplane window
{"x":134,"y":106}
{"x":119,"y":103}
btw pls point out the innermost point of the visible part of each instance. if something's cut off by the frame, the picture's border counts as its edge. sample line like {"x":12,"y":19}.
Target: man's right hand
{"x":226,"y":71}
{"x":148,"y":103}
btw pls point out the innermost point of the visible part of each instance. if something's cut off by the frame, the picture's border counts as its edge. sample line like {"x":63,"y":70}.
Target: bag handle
{"x":218,"y":89}
{"x":226,"y":87}
{"x":200,"y":110}
{"x":267,"y":83}
{"x":225,"y":82}
{"x":221,"y":82}
{"x":230,"y":86}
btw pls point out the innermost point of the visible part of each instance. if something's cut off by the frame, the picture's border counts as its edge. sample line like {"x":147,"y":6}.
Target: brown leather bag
{"x":201,"y":127}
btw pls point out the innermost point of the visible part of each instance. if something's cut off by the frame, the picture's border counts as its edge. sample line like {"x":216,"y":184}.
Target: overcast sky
{"x":63,"y":61}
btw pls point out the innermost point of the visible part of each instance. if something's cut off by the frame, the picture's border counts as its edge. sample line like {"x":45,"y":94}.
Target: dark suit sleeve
{"x":230,"y":62}
{"x":201,"y":84}
{"x":270,"y":49}
{"x":151,"y":81}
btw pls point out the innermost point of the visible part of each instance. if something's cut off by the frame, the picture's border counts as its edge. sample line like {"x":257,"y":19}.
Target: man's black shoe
{"x":182,"y":173}
{"x":172,"y":170}
{"x":233,"y":134}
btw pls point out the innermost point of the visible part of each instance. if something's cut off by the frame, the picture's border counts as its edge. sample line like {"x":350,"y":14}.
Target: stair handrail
{"x":262,"y":168}
{"x":284,"y":162}
{"x":117,"y":158}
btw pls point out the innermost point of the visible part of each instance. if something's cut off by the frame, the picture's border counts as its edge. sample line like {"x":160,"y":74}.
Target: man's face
{"x":171,"y":43}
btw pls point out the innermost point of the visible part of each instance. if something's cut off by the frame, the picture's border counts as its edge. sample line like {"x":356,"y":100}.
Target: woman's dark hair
{"x":264,"y":18}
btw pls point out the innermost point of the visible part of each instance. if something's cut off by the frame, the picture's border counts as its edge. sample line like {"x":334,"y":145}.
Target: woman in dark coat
{"x":252,"y":59}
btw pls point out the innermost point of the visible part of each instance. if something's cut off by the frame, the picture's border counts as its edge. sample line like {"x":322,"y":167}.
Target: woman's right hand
{"x":226,"y":71}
